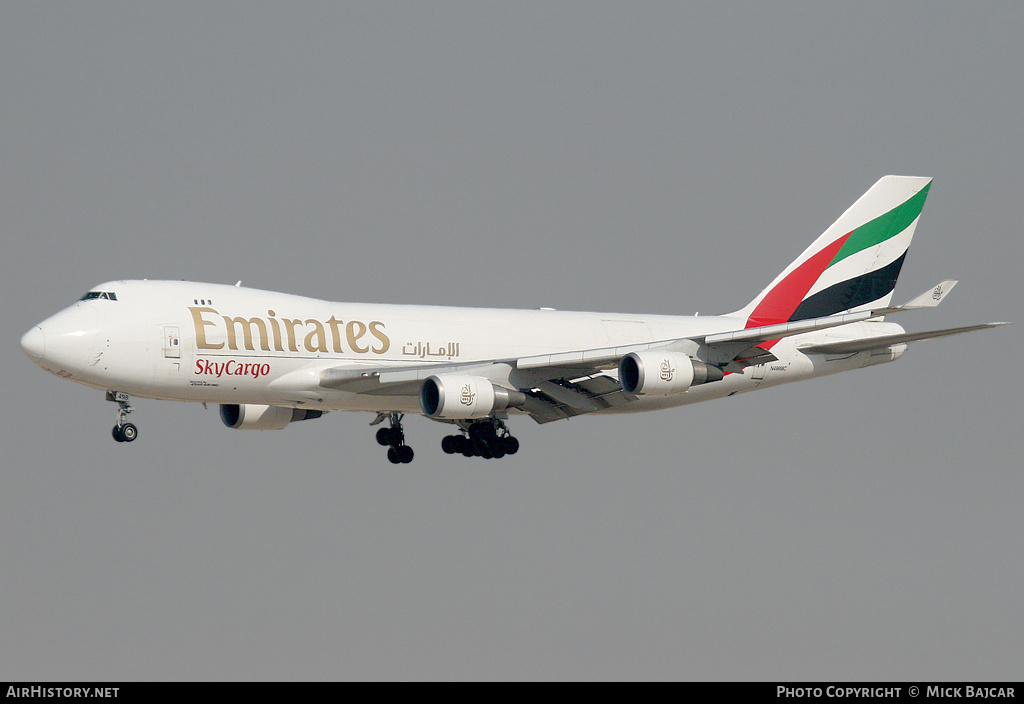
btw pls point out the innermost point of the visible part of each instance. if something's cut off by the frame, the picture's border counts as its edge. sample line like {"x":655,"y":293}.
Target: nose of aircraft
{"x":33,"y":343}
{"x":63,"y":342}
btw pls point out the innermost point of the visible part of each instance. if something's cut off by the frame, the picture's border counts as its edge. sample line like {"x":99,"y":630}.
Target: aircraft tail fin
{"x":853,"y":265}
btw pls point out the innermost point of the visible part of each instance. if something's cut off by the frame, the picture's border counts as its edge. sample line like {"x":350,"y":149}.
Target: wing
{"x":873,"y":343}
{"x":566,"y":384}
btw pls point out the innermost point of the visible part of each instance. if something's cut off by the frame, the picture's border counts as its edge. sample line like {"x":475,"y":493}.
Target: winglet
{"x":930,"y":298}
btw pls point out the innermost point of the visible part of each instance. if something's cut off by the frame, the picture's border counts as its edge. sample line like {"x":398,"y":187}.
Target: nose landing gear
{"x":123,"y":431}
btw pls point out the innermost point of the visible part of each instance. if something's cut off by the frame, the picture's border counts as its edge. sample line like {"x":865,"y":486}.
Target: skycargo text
{"x":231,"y":368}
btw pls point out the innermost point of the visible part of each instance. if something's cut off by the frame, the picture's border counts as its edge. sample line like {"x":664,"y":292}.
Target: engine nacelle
{"x":256,"y":416}
{"x":663,"y":373}
{"x":463,"y":396}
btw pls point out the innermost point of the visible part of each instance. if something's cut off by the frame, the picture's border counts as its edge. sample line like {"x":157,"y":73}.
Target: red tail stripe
{"x":778,"y":304}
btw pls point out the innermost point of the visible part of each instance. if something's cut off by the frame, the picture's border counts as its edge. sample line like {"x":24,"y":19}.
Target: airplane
{"x":270,"y":359}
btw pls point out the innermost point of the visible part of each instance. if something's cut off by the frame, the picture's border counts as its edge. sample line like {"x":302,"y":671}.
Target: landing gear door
{"x":172,"y":342}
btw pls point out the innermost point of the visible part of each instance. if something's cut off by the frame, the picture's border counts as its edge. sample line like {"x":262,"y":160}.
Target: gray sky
{"x":651,"y":157}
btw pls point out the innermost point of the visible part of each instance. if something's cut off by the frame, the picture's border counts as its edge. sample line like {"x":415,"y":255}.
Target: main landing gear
{"x":488,"y":438}
{"x":123,"y":431}
{"x":394,"y":438}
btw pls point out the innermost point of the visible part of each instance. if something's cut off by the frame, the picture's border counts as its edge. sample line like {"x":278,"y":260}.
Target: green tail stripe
{"x":884,"y":226}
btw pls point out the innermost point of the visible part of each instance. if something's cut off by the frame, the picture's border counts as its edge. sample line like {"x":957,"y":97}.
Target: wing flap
{"x":543,"y":410}
{"x":566,"y":395}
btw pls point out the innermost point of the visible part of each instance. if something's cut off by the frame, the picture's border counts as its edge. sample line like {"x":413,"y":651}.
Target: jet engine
{"x":663,"y":373}
{"x":463,"y":396}
{"x":255,"y":416}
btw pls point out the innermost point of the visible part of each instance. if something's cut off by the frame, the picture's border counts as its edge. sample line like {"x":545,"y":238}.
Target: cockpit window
{"x":108,"y":295}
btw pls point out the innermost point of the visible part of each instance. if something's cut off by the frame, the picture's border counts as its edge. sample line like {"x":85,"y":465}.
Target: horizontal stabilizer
{"x":932,"y":297}
{"x":873,"y":343}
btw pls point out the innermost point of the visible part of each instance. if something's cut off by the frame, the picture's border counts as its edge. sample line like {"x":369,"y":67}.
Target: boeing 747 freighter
{"x":270,"y":359}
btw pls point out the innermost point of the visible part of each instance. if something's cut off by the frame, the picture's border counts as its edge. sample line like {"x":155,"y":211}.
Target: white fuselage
{"x":189,"y":341}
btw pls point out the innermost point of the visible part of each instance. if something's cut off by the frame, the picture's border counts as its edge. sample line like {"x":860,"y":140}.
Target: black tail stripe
{"x":850,"y":293}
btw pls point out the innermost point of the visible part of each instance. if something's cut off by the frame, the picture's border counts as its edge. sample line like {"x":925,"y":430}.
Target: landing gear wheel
{"x":489,"y":439}
{"x":511,"y":445}
{"x":123,"y":431}
{"x":482,"y":431}
{"x":394,"y":439}
{"x":447,"y":444}
{"x":395,"y":435}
